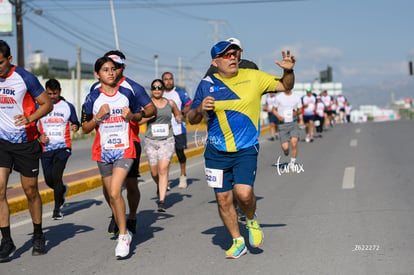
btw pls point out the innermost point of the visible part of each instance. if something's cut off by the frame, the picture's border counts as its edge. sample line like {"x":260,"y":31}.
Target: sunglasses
{"x":159,"y":87}
{"x":228,"y":55}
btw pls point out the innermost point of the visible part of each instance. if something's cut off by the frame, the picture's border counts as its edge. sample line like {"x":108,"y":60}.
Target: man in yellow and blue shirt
{"x":231,"y":100}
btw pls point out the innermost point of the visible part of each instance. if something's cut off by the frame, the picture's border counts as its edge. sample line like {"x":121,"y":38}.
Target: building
{"x":58,"y":68}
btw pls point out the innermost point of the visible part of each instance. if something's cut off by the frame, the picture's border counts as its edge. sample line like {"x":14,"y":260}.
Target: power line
{"x":79,"y":5}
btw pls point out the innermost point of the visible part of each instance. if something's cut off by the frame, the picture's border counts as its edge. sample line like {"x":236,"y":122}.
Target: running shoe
{"x":113,"y":227}
{"x":7,"y":249}
{"x":307,"y":139}
{"x":122,"y":248}
{"x":255,"y":232}
{"x":237,"y":250}
{"x":132,"y":226}
{"x":57,"y":215}
{"x":271,"y":139}
{"x":183,"y":182}
{"x":39,"y":245}
{"x":161,"y":206}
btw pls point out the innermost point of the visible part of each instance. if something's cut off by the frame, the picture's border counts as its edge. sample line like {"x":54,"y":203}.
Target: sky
{"x":368,"y":43}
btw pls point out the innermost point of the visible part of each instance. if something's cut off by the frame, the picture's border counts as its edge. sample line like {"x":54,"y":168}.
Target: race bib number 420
{"x":214,"y":177}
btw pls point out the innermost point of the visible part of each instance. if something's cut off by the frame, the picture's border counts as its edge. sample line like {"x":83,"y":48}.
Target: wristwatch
{"x":142,"y":114}
{"x":97,"y":121}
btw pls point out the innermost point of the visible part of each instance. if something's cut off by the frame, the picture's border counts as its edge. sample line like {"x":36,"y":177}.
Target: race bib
{"x":55,"y":133}
{"x":311,"y":106}
{"x":160,"y":130}
{"x":288,"y":115}
{"x":214,"y":177}
{"x":113,"y":141}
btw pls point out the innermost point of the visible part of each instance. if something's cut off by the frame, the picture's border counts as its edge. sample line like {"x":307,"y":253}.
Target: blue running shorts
{"x":226,"y":168}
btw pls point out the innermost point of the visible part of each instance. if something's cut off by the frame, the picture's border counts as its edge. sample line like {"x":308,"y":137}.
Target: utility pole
{"x":78,"y":81}
{"x":111,"y":2}
{"x":180,"y":72}
{"x":216,"y":24}
{"x":19,"y":31}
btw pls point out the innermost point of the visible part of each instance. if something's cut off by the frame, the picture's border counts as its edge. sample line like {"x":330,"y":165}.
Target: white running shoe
{"x":122,"y":248}
{"x":307,"y":139}
{"x":183,"y":182}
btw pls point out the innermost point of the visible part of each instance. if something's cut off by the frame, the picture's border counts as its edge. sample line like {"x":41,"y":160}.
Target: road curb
{"x":19,"y":203}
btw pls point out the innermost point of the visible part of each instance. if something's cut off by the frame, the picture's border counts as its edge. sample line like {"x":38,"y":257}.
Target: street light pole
{"x":156,"y":65}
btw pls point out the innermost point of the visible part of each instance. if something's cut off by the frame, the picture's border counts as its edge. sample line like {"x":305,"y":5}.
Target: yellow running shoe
{"x":255,"y":233}
{"x":237,"y":250}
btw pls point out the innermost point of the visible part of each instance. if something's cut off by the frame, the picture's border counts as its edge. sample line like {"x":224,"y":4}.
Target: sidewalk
{"x":85,"y":180}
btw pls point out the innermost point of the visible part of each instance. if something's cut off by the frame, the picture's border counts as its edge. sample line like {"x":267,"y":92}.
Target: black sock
{"x":5,"y":232}
{"x":286,"y":152}
{"x":37,"y":229}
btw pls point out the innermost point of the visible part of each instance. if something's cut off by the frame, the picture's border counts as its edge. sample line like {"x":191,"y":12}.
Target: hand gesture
{"x":126,"y":113}
{"x":43,"y":139}
{"x":74,"y":127}
{"x":207,"y":104}
{"x":20,"y":120}
{"x":103,"y":111}
{"x":288,"y":61}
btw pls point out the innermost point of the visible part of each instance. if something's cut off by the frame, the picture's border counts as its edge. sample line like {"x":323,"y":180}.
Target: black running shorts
{"x":22,"y":157}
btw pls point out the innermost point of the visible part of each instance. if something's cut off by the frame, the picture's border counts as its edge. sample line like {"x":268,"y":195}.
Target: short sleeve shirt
{"x":56,"y":125}
{"x":114,"y":137}
{"x":234,"y":123}
{"x":17,"y":97}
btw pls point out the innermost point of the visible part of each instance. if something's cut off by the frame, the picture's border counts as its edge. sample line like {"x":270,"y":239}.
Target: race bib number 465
{"x":214,"y":177}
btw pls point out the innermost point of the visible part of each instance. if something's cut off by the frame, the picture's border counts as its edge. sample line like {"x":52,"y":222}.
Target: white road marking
{"x":358,"y":130}
{"x":348,"y":181}
{"x":353,"y":143}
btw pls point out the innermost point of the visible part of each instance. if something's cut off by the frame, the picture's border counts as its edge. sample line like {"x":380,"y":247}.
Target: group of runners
{"x":228,"y":98}
{"x":37,"y":124}
{"x":288,"y":113}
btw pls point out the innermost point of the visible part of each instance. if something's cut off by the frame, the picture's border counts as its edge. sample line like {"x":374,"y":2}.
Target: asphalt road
{"x":348,"y":210}
{"x":80,"y":159}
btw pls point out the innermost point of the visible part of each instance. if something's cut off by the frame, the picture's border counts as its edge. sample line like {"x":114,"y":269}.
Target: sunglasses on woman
{"x":159,"y":87}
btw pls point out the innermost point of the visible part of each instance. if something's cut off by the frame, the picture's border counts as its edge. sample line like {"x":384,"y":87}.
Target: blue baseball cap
{"x":220,"y":47}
